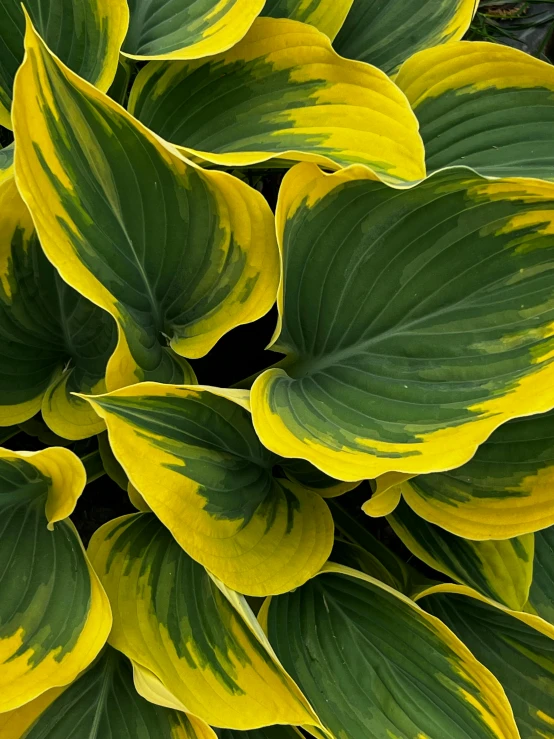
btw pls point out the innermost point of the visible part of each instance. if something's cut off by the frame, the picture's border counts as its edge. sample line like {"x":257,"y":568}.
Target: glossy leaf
{"x":485,"y":106}
{"x":326,"y":15}
{"x":387,"y":33}
{"x":54,"y":615}
{"x":178,"y":256}
{"x":171,"y":617}
{"x":541,"y":595}
{"x":516,"y":647}
{"x":193,"y":455}
{"x":372,"y":663}
{"x":504,"y":491}
{"x":85,"y":34}
{"x":414,"y":322}
{"x":187,"y":29}
{"x":282,"y":92}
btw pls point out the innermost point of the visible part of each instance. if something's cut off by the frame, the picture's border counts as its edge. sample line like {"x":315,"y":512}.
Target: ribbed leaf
{"x":85,"y":34}
{"x":387,"y":33}
{"x":483,"y":105}
{"x":178,"y":256}
{"x":326,"y":15}
{"x":501,"y":570}
{"x":193,"y":455}
{"x":54,"y":341}
{"x":414,"y":322}
{"x":541,"y":595}
{"x":170,"y":617}
{"x":504,"y":491}
{"x":281,"y":92}
{"x":54,"y":615}
{"x":373,"y":664}
{"x":517,"y":648}
{"x":101,"y":704}
{"x":187,"y":29}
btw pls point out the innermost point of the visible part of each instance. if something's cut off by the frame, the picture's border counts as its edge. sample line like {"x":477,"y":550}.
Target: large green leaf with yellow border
{"x":186,"y":29}
{"x":282,"y":92}
{"x":101,"y":703}
{"x":171,"y":618}
{"x":501,"y":569}
{"x":85,"y":34}
{"x":387,"y":32}
{"x":54,"y":341}
{"x":372,"y":663}
{"x":193,"y":455}
{"x":177,"y":255}
{"x":54,"y":614}
{"x":541,"y":594}
{"x":326,"y":15}
{"x":504,"y":491}
{"x":516,"y":647}
{"x":415,"y":322}
{"x":484,"y":105}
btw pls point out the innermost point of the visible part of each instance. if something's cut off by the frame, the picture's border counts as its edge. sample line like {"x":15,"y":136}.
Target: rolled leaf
{"x":282,"y":92}
{"x":504,"y":491}
{"x":516,"y":647}
{"x":388,"y":33}
{"x":171,"y":617}
{"x":178,"y":256}
{"x":193,"y":455}
{"x":186,"y":29}
{"x":484,"y":105}
{"x":326,"y":15}
{"x":372,"y":663}
{"x":85,"y":34}
{"x":415,"y":322}
{"x":541,"y":595}
{"x":54,"y":614}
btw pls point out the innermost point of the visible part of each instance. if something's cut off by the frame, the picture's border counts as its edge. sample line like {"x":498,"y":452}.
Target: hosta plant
{"x":350,"y":535}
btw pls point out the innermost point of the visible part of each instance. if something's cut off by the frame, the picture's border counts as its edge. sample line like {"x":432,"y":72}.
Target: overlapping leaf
{"x":85,"y":34}
{"x":374,"y":664}
{"x":178,"y":256}
{"x":541,"y":595}
{"x":516,"y":647}
{"x":54,"y":615}
{"x":483,"y":105}
{"x":326,"y":15}
{"x":415,"y":322}
{"x":171,"y":617}
{"x":282,"y":92}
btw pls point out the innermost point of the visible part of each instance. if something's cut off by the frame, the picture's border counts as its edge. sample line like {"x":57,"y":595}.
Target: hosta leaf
{"x":326,"y":15}
{"x":517,"y":648}
{"x":268,"y":732}
{"x":387,"y":33}
{"x":171,"y":617}
{"x":101,"y":704}
{"x":178,"y":256}
{"x":187,"y":29}
{"x":372,"y":663}
{"x":414,"y":322}
{"x":54,"y":615}
{"x":541,"y":595}
{"x":193,"y":455}
{"x":304,"y":473}
{"x":85,"y":34}
{"x":54,"y":341}
{"x":483,"y":105}
{"x":281,"y":92}
{"x":505,"y":490}
{"x":501,"y":570}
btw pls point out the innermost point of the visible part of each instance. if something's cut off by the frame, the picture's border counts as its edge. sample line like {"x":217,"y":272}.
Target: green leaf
{"x":120,"y":86}
{"x":326,"y":15}
{"x":373,"y":664}
{"x":415,"y":322}
{"x":268,"y":732}
{"x":517,"y":648}
{"x":177,"y":255}
{"x":171,"y":618}
{"x":483,"y":105}
{"x":541,"y":595}
{"x":193,"y":455}
{"x":387,"y":33}
{"x":504,"y":491}
{"x":282,"y":92}
{"x":304,"y":473}
{"x":54,"y":614}
{"x":85,"y":34}
{"x":187,"y":29}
